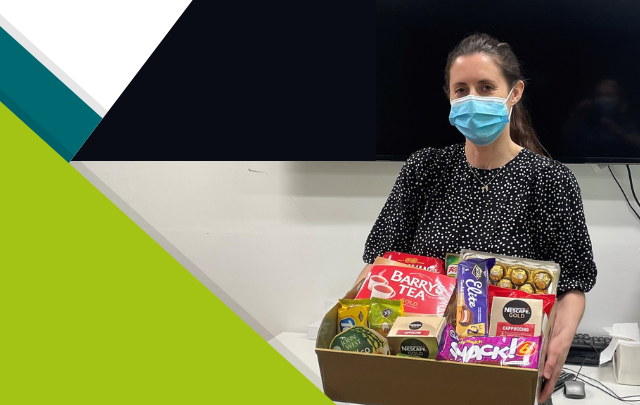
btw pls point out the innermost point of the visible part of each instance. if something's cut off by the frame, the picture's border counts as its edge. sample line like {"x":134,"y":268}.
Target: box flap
{"x":328,"y":328}
{"x":354,"y":291}
{"x":329,"y":324}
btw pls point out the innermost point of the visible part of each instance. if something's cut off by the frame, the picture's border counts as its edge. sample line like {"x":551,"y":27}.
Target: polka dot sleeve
{"x":394,"y":230}
{"x":560,"y":227}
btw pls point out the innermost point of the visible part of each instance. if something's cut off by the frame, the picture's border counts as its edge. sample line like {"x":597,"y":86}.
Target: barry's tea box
{"x":417,"y":336}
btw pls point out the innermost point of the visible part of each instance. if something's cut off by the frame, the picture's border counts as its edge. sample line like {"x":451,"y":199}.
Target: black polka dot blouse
{"x":532,"y":208}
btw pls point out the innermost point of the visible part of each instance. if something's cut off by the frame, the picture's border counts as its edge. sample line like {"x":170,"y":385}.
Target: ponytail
{"x":522,"y":131}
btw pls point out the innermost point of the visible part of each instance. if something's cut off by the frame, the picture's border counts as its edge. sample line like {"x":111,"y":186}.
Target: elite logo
{"x":476,"y":272}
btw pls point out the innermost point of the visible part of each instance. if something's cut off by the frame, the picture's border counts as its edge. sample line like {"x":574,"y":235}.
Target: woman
{"x":495,"y":193}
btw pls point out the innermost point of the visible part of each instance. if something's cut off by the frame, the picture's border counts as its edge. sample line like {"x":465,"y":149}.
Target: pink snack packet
{"x":499,"y":350}
{"x":449,"y":336}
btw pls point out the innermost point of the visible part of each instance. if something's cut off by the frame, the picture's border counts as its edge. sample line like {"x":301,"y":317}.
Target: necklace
{"x":485,"y":187}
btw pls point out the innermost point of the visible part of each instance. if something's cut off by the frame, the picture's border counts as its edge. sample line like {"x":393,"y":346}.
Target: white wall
{"x":284,"y":242}
{"x":615,"y":234}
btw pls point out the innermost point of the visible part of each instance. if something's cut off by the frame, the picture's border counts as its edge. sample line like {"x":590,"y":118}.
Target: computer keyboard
{"x":584,"y":341}
{"x":586,"y":349}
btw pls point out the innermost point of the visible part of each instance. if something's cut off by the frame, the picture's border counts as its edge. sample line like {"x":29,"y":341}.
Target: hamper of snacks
{"x":407,"y":335}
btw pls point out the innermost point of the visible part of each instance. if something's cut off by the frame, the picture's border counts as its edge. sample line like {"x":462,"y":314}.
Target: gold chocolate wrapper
{"x":528,"y":288}
{"x":497,"y":272}
{"x":541,"y":279}
{"x":519,"y":275}
{"x":505,"y":283}
{"x":507,"y":274}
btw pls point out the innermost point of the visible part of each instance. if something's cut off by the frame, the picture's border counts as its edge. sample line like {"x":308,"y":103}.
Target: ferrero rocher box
{"x":355,"y":377}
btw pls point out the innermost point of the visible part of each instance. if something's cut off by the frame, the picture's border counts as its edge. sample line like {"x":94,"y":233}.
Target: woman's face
{"x":478,"y":75}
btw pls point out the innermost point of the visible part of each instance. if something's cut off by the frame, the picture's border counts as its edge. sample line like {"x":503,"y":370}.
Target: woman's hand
{"x":569,"y":310}
{"x":557,"y":351}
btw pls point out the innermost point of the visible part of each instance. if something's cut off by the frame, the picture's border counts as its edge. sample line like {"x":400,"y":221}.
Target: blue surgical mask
{"x":480,"y":119}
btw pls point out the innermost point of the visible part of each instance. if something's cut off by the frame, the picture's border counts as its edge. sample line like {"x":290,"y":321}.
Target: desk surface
{"x":300,"y":351}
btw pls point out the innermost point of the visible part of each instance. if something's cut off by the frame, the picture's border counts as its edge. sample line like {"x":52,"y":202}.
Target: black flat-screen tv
{"x":574,"y":55}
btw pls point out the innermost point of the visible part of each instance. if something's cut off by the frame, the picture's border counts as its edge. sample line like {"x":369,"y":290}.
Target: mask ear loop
{"x":507,"y":100}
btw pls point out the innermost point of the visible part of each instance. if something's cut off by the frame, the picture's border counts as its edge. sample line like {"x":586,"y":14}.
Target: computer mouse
{"x":574,"y":389}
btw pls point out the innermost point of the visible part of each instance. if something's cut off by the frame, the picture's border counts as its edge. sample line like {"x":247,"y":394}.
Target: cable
{"x":598,"y":357}
{"x":631,"y":184}
{"x":606,"y":390}
{"x":580,"y":369}
{"x":595,"y":350}
{"x":623,"y":193}
{"x":611,"y":394}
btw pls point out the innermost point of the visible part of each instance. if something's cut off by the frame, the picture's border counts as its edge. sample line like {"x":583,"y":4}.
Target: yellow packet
{"x":353,"y":313}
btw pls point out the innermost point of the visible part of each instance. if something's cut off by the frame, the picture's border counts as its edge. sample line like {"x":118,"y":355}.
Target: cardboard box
{"x":626,"y":363}
{"x":390,"y":380}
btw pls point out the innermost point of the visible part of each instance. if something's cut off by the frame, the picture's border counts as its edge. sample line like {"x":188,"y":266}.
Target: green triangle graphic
{"x":94,"y":311}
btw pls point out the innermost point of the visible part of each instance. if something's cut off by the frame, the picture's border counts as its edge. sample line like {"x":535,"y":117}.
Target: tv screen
{"x":581,"y":61}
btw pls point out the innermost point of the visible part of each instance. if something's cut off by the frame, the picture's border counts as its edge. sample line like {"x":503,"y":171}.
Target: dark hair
{"x":521,"y":130}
